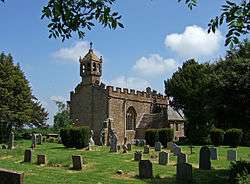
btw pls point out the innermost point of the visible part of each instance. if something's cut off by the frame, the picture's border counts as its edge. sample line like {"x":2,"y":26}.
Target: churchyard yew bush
{"x":165,"y":135}
{"x":217,"y":136}
{"x":150,"y":136}
{"x":77,"y":137}
{"x":233,"y":137}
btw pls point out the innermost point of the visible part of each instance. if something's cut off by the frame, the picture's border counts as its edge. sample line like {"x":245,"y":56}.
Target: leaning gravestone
{"x":182,"y":158}
{"x":11,"y":141}
{"x":213,"y":153}
{"x":145,"y":169}
{"x":232,"y":155}
{"x":129,"y":145}
{"x":184,"y":173}
{"x":41,"y":159}
{"x":163,"y":158}
{"x":28,"y":156}
{"x":204,"y":161}
{"x":158,"y":146}
{"x":11,"y":177}
{"x":77,"y":162}
{"x":146,"y":149}
{"x":137,"y":156}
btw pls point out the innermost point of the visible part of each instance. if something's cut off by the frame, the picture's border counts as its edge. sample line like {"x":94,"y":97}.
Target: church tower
{"x":90,"y":68}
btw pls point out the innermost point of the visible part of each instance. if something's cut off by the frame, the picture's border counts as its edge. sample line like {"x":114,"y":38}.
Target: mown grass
{"x":101,"y":166}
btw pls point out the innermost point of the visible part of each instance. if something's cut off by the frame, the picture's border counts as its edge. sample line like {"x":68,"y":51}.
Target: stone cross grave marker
{"x":184,"y":173}
{"x":182,"y":158}
{"x":158,"y":146}
{"x":213,"y":153}
{"x":146,"y":149}
{"x":41,"y":159}
{"x":163,"y":158}
{"x":232,"y":155}
{"x":27,"y":156}
{"x":145,"y":169}
{"x":204,"y":161}
{"x":77,"y":162}
{"x":137,"y":156}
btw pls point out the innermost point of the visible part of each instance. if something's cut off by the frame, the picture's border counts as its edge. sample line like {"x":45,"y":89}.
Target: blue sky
{"x":159,"y":35}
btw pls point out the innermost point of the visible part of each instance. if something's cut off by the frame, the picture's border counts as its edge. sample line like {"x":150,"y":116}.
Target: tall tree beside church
{"x":17,"y":107}
{"x":62,"y":117}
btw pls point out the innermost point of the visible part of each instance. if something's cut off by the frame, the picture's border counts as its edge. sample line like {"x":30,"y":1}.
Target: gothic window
{"x":88,"y":66}
{"x":94,"y":67}
{"x":130,"y":119}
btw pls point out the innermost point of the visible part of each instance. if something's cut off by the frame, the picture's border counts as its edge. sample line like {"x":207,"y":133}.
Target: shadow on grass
{"x":218,"y":176}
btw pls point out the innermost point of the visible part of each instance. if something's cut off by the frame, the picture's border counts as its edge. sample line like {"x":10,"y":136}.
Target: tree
{"x":62,"y":117}
{"x":70,"y":16}
{"x":17,"y":106}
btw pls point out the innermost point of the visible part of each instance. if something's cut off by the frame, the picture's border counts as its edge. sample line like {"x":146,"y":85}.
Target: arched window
{"x":130,"y":119}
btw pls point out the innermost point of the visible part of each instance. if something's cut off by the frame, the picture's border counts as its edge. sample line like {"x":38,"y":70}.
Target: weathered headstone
{"x":232,"y":155}
{"x":145,"y":169}
{"x":27,"y":156}
{"x":137,"y":142}
{"x":163,"y":158}
{"x":182,"y":158}
{"x":137,"y":156}
{"x":124,"y":146}
{"x":41,"y":159}
{"x":77,"y":162}
{"x":129,"y":146}
{"x":11,"y":177}
{"x":91,"y":141}
{"x":158,"y":146}
{"x":213,"y":153}
{"x":113,"y":141}
{"x":170,"y":146}
{"x":204,"y":161}
{"x":184,"y":173}
{"x":33,"y":139}
{"x":176,"y":149}
{"x":39,"y":138}
{"x":11,"y":140}
{"x":146,"y":149}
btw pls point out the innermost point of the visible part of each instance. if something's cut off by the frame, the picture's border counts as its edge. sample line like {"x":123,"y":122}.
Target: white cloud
{"x":154,"y":65}
{"x":73,"y":52}
{"x":194,"y":42}
{"x":57,"y":98}
{"x":130,"y":83}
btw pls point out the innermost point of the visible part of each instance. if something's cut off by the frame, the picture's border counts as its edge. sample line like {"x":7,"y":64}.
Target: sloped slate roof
{"x":175,"y":115}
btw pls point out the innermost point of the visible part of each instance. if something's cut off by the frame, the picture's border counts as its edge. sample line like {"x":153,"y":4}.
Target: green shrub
{"x":150,"y":136}
{"x":238,"y":173}
{"x":246,"y":138}
{"x":233,"y":137}
{"x":77,"y":137}
{"x":217,"y":136}
{"x":166,"y":135}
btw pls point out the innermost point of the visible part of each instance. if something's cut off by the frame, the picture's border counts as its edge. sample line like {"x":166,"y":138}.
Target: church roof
{"x":175,"y":115}
{"x":91,"y":56}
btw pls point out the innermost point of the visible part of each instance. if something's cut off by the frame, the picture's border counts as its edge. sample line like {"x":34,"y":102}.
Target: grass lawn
{"x":101,"y":166}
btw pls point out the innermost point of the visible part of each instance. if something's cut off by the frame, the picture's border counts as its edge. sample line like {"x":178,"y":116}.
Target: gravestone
{"x":41,"y":159}
{"x":11,"y":177}
{"x":213,"y":153}
{"x":11,"y":140}
{"x":142,"y":142}
{"x":145,"y":169}
{"x":124,"y":146}
{"x":158,"y":146}
{"x":137,"y":156}
{"x":27,"y":156}
{"x":33,"y":139}
{"x":77,"y":162}
{"x":176,"y":149}
{"x":129,"y":146}
{"x":146,"y":149}
{"x":204,"y":161}
{"x":91,"y":141}
{"x":118,"y":147}
{"x":39,"y":138}
{"x":232,"y":155}
{"x":163,"y":158}
{"x":137,"y":142}
{"x":182,"y":158}
{"x":113,"y":140}
{"x":184,"y":173}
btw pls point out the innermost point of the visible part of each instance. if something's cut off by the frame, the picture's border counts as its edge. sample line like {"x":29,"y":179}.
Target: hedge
{"x":77,"y":137}
{"x":233,"y":137}
{"x":165,"y":135}
{"x":217,"y":136}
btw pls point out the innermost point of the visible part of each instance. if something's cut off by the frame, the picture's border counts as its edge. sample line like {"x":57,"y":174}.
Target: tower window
{"x":94,"y":67}
{"x":130,"y":119}
{"x":88,"y":66}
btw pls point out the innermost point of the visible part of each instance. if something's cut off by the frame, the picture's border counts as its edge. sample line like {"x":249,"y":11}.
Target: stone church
{"x":129,"y":112}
